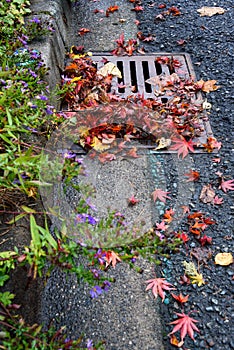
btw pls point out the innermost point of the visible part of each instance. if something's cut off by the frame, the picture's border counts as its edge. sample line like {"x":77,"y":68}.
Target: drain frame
{"x":185,"y":70}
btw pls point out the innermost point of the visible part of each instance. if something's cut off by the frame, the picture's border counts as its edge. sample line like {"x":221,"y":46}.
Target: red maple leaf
{"x":132,"y":200}
{"x":186,"y":325}
{"x":183,"y":236}
{"x":217,"y":200}
{"x":137,"y":8}
{"x":111,"y":258}
{"x":192,"y":175}
{"x":180,"y":298}
{"x":227,"y":185}
{"x":182,"y":146}
{"x":160,"y":195}
{"x":205,"y":240}
{"x":158,"y":286}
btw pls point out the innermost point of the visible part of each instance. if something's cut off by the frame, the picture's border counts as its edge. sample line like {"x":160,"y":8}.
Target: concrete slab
{"x":126,"y":317}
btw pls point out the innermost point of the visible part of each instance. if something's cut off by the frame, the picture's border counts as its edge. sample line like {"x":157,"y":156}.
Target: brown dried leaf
{"x":207,"y":194}
{"x":224,"y":259}
{"x":211,"y":11}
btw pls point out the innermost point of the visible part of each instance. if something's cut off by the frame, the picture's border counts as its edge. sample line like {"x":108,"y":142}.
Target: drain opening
{"x":146,"y":76}
{"x":158,"y":67}
{"x":134,"y":86}
{"x":121,"y":90}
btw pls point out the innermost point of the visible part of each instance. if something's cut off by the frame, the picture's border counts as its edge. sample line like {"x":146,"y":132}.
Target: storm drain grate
{"x":136,"y":70}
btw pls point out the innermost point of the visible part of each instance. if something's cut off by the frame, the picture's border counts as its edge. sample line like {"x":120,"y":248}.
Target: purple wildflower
{"x":80,"y":218}
{"x":34,"y":55}
{"x":79,"y":160}
{"x":49,"y":110}
{"x":106,"y":285}
{"x":35,"y":20}
{"x":161,"y":237}
{"x":32,"y":73}
{"x":96,"y":291}
{"x":51,"y":29}
{"x":92,"y":206}
{"x":22,"y":40}
{"x":42,"y":97}
{"x":30,"y":104}
{"x":89,"y":344}
{"x":100,"y":255}
{"x":68,"y":154}
{"x":92,"y":220}
{"x":95,"y":273}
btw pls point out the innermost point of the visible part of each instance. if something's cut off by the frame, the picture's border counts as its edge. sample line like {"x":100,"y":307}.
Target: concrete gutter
{"x":126,"y":317}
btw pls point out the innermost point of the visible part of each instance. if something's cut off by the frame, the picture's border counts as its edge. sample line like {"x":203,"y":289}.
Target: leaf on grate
{"x":182,"y":146}
{"x":110,"y":68}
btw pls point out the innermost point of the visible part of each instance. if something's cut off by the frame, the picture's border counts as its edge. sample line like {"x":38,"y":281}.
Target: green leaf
{"x":16,"y":218}
{"x":34,"y":232}
{"x":47,"y":236}
{"x":6,"y":298}
{"x":9,"y":117}
{"x":27,"y":209}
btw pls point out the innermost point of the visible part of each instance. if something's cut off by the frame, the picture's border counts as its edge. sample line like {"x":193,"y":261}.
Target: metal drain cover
{"x":136,"y":70}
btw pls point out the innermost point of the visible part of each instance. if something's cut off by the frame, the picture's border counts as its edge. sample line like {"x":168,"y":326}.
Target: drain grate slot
{"x":146,"y":75}
{"x":134,"y":86}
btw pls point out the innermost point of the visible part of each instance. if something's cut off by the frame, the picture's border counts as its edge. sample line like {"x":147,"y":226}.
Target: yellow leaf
{"x":163,"y":143}
{"x":98,"y":145}
{"x":191,"y":272}
{"x":198,"y":279}
{"x":75,"y":79}
{"x":211,"y":11}
{"x":224,"y":259}
{"x":83,"y":131}
{"x":110,"y":68}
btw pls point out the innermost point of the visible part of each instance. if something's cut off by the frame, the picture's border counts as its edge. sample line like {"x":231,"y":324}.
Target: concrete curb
{"x":126,"y":317}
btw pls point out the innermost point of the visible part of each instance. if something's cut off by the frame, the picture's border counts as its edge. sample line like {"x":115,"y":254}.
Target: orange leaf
{"x":192,"y":175}
{"x":180,"y":298}
{"x":83,"y":31}
{"x":209,"y":86}
{"x":111,"y":9}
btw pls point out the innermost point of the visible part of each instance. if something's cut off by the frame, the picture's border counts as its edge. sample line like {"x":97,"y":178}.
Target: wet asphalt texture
{"x":209,"y":41}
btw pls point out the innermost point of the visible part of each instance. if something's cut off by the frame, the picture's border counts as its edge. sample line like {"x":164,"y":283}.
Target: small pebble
{"x":209,"y":308}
